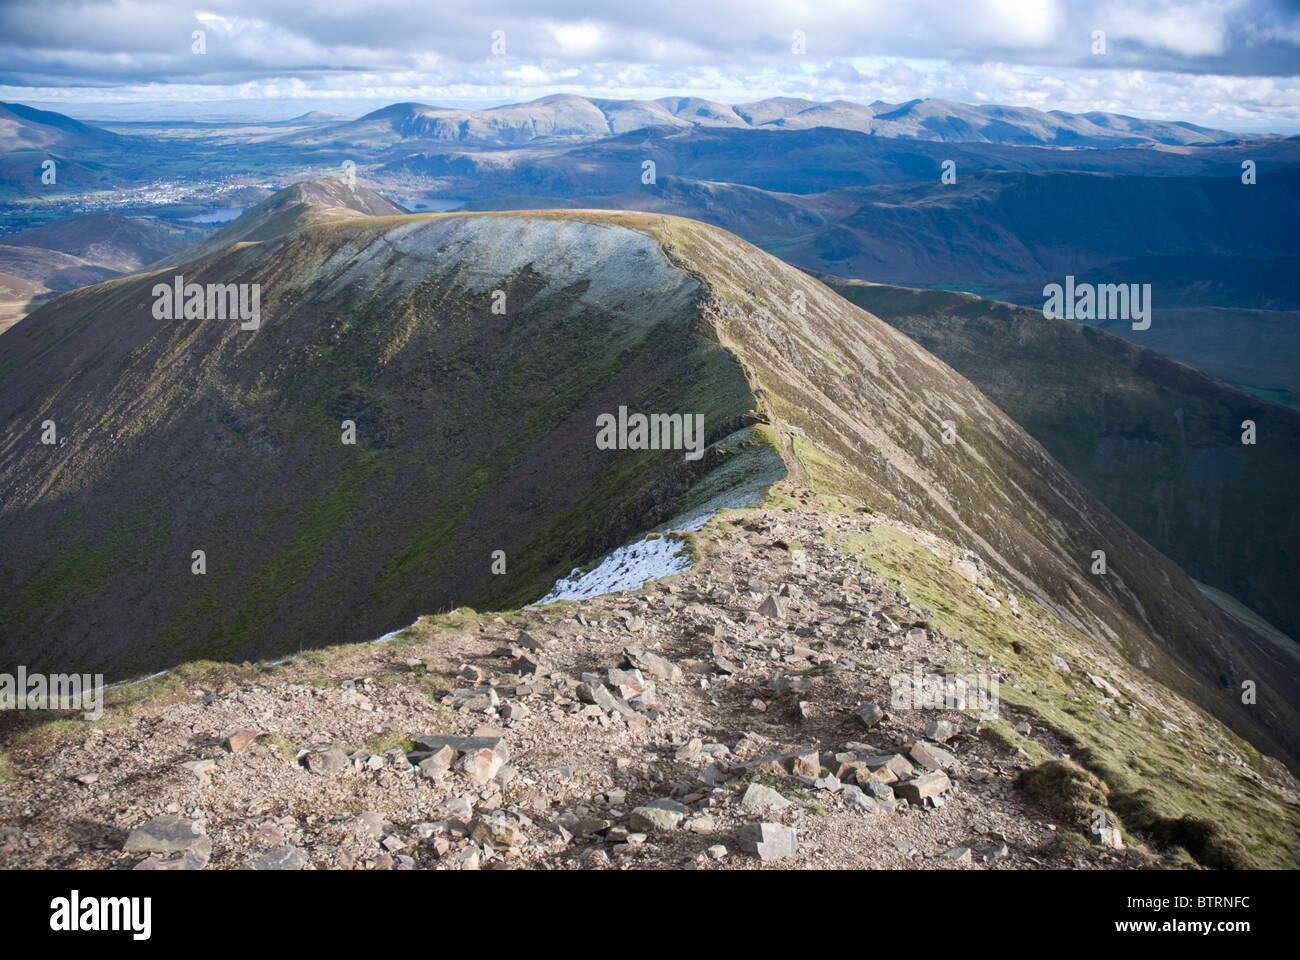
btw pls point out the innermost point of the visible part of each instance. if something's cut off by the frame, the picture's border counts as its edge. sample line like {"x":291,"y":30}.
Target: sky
{"x":1230,"y":64}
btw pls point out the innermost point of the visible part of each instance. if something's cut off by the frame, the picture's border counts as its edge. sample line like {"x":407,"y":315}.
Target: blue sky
{"x":1229,"y":64}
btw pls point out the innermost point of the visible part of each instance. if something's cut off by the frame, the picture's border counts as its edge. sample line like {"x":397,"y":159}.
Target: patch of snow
{"x":392,"y":634}
{"x":132,"y":683}
{"x":627,"y":568}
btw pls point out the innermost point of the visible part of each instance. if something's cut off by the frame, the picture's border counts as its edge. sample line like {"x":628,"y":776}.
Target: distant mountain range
{"x":566,"y":116}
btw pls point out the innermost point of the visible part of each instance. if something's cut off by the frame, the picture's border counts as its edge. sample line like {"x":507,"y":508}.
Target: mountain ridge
{"x":261,"y":408}
{"x":570,"y":116}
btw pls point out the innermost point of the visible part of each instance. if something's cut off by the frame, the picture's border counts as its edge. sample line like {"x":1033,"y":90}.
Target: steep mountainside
{"x":476,"y":433}
{"x":1159,"y":443}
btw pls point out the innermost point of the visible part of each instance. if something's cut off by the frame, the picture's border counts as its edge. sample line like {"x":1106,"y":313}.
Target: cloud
{"x":1162,"y":58}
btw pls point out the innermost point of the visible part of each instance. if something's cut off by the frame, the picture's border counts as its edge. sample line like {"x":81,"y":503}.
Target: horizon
{"x":1231,"y":66}
{"x":267,"y":111}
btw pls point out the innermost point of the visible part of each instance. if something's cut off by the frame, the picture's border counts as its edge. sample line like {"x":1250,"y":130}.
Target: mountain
{"x":26,"y":128}
{"x":1256,"y":350}
{"x":703,"y":678}
{"x":566,"y":116}
{"x":945,"y":120}
{"x":302,"y":204}
{"x":1157,"y":442}
{"x":79,"y":251}
{"x":475,"y":435}
{"x":1009,"y":234}
{"x":120,"y":243}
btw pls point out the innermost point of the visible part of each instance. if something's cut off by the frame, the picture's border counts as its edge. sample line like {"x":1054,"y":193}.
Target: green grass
{"x":1150,"y":779}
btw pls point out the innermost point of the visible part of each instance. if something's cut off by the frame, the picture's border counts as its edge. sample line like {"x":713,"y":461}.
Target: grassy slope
{"x":1160,"y":758}
{"x":1157,"y":442}
{"x":476,"y":435}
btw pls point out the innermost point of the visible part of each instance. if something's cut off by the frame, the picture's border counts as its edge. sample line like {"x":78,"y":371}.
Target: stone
{"x":690,"y":750}
{"x":662,"y":814}
{"x":497,"y":831}
{"x":717,"y":851}
{"x":514,"y":711}
{"x":958,"y":854}
{"x":240,"y":739}
{"x":893,"y":764}
{"x":598,"y":694}
{"x":454,"y":808}
{"x":480,"y":765}
{"x":526,"y":665}
{"x":772,"y":607}
{"x":759,"y":797}
{"x":435,"y":766}
{"x":652,"y":664}
{"x":327,"y":763}
{"x":925,"y":787}
{"x":803,"y":763}
{"x":1060,"y":664}
{"x":996,"y":851}
{"x":870,"y":714}
{"x":370,"y":824}
{"x":1108,"y":837}
{"x":857,"y":800}
{"x":830,"y":783}
{"x":168,"y":834}
{"x":930,"y":757}
{"x":1105,"y":686}
{"x":941,"y":730}
{"x":435,"y":742}
{"x":879,"y":791}
{"x":467,"y":859}
{"x":528,"y":641}
{"x":474,"y":699}
{"x":200,"y":768}
{"x":768,"y":841}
